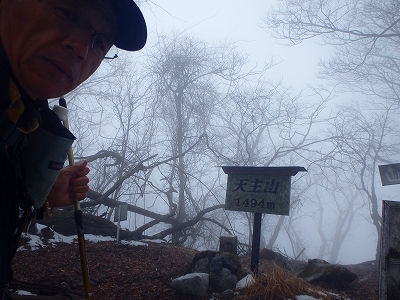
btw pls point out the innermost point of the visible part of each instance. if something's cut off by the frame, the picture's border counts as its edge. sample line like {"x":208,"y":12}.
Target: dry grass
{"x":278,"y":284}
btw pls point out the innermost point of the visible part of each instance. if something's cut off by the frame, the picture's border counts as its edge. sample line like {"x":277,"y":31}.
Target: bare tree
{"x":112,"y":116}
{"x":364,"y":34}
{"x":187,"y":76}
{"x":368,"y":139}
{"x":365,"y":38}
{"x":265,"y":124}
{"x":161,"y":136}
{"x":142,"y":137}
{"x":338,"y":203}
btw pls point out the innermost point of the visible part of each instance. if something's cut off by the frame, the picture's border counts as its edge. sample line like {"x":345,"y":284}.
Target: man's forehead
{"x":99,"y":13}
{"x":121,"y":20}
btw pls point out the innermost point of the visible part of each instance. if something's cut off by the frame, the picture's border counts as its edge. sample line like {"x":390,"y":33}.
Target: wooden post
{"x":255,"y":246}
{"x":119,"y":222}
{"x":389,"y":279}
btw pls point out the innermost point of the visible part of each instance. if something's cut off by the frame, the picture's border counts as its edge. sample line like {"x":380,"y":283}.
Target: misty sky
{"x":239,"y":22}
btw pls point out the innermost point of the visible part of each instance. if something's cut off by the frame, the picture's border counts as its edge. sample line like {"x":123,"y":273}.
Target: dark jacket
{"x":23,"y":165}
{"x":12,"y":192}
{"x":16,"y":207}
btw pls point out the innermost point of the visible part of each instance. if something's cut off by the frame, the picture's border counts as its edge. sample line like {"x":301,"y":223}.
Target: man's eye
{"x":97,"y":43}
{"x":68,"y":14}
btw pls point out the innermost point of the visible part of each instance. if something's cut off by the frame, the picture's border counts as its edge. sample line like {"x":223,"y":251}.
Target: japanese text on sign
{"x":258,"y":193}
{"x":256,"y":185}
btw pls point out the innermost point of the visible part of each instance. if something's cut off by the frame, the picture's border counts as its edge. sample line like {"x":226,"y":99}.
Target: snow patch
{"x":24,"y":293}
{"x":305,"y":297}
{"x":36,"y":241}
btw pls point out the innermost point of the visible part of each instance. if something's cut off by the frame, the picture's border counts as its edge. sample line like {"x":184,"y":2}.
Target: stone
{"x":195,"y":284}
{"x":224,"y":269}
{"x":222,"y":280}
{"x":202,"y":266}
{"x":47,"y":233}
{"x":227,"y":294}
{"x":216,"y":260}
{"x":279,"y":259}
{"x":322,"y":273}
{"x":245,"y":281}
{"x":228,"y":243}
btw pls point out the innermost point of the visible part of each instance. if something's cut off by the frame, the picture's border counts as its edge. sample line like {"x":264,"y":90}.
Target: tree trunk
{"x":274,"y":236}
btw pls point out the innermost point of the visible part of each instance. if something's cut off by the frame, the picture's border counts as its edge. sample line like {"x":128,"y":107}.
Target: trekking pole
{"x":78,"y":217}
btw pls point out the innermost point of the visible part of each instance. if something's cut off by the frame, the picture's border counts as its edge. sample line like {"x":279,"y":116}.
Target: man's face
{"x":55,"y":45}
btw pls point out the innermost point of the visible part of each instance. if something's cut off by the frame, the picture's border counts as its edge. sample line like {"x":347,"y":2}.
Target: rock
{"x":305,"y":297}
{"x":322,"y":273}
{"x":211,"y":261}
{"x":47,"y":233}
{"x":279,"y":259}
{"x":195,"y":284}
{"x":245,"y":281}
{"x":63,"y":222}
{"x":228,"y":294}
{"x":228,"y":243}
{"x":224,"y":269}
{"x":219,"y":262}
{"x":202,"y":265}
{"x":222,"y":280}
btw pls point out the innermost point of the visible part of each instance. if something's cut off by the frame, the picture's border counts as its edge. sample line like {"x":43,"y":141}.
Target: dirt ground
{"x":134,"y":272}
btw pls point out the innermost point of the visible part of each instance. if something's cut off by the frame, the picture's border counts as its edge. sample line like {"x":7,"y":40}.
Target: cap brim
{"x":131,"y":26}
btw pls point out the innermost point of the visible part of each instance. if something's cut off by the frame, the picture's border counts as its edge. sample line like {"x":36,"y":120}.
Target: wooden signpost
{"x":121,"y":215}
{"x":390,"y":174}
{"x":389,"y":275}
{"x":260,"y":190}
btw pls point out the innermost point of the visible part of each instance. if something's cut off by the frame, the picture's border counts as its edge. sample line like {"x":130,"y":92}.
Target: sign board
{"x":390,"y":174}
{"x":389,"y":277}
{"x":259,"y":189}
{"x":121,"y":213}
{"x":268,"y":194}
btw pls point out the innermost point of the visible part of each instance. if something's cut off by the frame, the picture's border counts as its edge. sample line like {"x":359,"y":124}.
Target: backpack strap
{"x":9,"y":133}
{"x":8,"y":119}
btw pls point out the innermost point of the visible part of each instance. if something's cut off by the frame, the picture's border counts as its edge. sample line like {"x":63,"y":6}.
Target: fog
{"x":239,"y":24}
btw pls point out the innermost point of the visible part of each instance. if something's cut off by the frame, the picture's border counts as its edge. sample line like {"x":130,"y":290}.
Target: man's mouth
{"x":59,"y":69}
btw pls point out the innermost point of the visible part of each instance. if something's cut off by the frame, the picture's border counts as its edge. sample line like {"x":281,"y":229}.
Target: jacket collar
{"x":32,"y":107}
{"x":4,"y":79}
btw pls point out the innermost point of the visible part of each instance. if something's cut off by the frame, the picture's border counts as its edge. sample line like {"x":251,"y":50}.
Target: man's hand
{"x":71,"y":184}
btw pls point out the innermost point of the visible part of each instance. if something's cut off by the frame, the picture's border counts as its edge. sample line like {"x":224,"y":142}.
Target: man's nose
{"x":79,"y":43}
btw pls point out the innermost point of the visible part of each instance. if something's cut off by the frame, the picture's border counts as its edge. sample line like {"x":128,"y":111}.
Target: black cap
{"x":131,"y":26}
